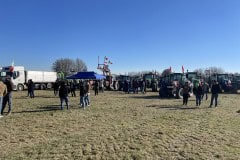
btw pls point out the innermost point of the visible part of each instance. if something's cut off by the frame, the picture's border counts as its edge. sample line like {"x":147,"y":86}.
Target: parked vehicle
{"x":171,"y":85}
{"x":151,"y":80}
{"x":20,"y":77}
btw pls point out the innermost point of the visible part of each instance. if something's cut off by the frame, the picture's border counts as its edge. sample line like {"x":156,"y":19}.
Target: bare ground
{"x":120,"y":126}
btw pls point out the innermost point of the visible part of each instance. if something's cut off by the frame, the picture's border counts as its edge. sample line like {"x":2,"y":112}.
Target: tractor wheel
{"x":180,"y":93}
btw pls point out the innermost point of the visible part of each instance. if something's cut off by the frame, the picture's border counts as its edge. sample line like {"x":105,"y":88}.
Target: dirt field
{"x":120,"y":126}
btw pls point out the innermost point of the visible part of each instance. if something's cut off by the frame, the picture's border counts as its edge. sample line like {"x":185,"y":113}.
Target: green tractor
{"x":151,"y":80}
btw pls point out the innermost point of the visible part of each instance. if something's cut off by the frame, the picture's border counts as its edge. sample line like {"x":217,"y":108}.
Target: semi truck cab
{"x":16,"y":74}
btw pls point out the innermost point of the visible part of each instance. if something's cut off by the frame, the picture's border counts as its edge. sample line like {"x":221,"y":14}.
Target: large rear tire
{"x":20,"y":87}
{"x":180,"y":93}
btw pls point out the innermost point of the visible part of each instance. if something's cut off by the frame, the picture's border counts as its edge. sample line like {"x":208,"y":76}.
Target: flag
{"x":12,"y":67}
{"x":182,"y":69}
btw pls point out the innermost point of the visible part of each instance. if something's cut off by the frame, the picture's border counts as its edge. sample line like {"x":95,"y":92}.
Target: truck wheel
{"x":20,"y":87}
{"x":49,"y":85}
{"x":42,"y":86}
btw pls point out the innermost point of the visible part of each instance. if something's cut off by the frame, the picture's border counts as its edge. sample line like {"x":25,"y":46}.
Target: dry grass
{"x":120,"y":126}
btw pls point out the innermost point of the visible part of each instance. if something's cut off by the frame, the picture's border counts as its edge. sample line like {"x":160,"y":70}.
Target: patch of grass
{"x":120,"y":126}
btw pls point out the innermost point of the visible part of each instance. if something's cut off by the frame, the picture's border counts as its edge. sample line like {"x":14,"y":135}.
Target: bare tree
{"x":67,"y":66}
{"x":216,"y":70}
{"x":80,"y":65}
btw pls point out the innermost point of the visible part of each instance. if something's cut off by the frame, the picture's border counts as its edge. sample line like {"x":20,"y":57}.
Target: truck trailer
{"x":20,"y":77}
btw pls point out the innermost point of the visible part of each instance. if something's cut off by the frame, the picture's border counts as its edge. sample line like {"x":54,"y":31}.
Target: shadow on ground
{"x":41,"y":109}
{"x":174,"y":107}
{"x":150,"y":97}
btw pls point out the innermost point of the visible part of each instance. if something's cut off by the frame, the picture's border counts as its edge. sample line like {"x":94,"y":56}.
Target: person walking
{"x":3,"y":92}
{"x":63,"y":95}
{"x":8,"y":97}
{"x":198,"y":94}
{"x":186,"y":90}
{"x":87,"y":93}
{"x":215,"y":89}
{"x":82,"y":95}
{"x":205,"y":87}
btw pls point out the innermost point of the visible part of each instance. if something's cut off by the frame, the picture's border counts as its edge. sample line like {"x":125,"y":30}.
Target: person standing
{"x":3,"y":92}
{"x":8,"y":97}
{"x":73,"y":88}
{"x":101,"y":86}
{"x":96,"y":87}
{"x":198,"y":94}
{"x":186,"y":90}
{"x":56,"y":88}
{"x":215,"y":89}
{"x":31,"y":88}
{"x":205,"y":90}
{"x":143,"y":87}
{"x":63,"y":94}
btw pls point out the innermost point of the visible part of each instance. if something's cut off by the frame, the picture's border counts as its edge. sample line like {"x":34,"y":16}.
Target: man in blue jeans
{"x":87,"y":93}
{"x":8,"y":97}
{"x":3,"y":92}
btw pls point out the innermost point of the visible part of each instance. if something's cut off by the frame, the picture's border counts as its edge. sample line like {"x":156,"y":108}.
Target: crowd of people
{"x":64,"y":88}
{"x":200,"y":91}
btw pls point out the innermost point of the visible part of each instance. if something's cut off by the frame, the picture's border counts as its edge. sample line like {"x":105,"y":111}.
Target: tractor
{"x":224,"y":80}
{"x":151,"y":80}
{"x":172,"y":85}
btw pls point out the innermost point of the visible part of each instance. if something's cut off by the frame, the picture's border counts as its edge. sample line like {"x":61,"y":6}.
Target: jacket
{"x":3,"y":89}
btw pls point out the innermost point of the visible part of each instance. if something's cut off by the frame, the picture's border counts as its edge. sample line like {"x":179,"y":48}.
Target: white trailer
{"x":20,"y":77}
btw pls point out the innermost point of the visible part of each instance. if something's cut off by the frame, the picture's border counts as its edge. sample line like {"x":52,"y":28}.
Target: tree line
{"x":70,"y":66}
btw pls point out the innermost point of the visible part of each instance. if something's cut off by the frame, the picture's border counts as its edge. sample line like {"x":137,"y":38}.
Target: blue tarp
{"x":87,"y":75}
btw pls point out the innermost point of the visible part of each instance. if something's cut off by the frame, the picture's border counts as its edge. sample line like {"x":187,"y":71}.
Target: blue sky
{"x":136,"y":35}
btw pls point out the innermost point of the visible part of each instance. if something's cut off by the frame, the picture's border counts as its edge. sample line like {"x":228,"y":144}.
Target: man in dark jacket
{"x":63,"y":94}
{"x":198,"y":93}
{"x":31,"y":88}
{"x":82,"y":95}
{"x":215,"y":90}
{"x":8,"y":97}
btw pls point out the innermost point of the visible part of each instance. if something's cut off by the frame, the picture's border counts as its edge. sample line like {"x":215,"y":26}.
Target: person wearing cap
{"x":3,"y":92}
{"x":8,"y":97}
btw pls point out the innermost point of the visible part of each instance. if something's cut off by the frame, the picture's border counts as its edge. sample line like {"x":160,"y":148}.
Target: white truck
{"x":20,"y":77}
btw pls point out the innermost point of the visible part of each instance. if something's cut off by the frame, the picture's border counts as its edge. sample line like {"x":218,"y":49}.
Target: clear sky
{"x":136,"y":35}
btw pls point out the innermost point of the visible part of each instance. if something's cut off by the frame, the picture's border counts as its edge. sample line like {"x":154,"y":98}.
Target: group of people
{"x":64,"y":90}
{"x":200,"y":90}
{"x":134,"y":86}
{"x":6,"y":88}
